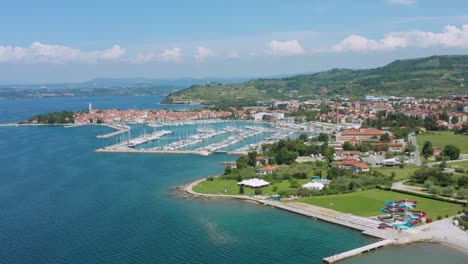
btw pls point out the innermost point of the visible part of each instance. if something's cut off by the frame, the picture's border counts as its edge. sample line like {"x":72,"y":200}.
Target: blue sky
{"x":57,"y":41}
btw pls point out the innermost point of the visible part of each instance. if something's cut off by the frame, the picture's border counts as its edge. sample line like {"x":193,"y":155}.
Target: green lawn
{"x":221,"y":186}
{"x":368,"y":203}
{"x":400,"y":174}
{"x":442,"y":138}
{"x":463,"y":164}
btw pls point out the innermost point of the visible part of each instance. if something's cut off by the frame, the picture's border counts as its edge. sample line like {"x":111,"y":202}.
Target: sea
{"x":61,"y":202}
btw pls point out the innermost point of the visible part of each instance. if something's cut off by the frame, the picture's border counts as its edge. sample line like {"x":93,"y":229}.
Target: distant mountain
{"x":107,"y":87}
{"x":127,"y":82}
{"x":429,"y":77}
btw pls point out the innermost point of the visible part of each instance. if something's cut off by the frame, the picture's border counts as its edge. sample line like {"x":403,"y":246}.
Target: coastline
{"x":428,"y":233}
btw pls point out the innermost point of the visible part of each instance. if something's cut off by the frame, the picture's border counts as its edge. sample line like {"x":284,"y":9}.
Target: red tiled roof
{"x":362,"y":132}
{"x":269,"y":168}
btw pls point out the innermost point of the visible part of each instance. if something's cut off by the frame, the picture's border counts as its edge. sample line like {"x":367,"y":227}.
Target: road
{"x":401,"y":186}
{"x":412,"y":140}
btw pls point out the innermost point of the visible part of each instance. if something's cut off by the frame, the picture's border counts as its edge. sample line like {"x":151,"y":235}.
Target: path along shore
{"x":439,"y":232}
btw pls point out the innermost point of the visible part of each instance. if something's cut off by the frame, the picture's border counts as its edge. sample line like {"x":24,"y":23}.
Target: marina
{"x":203,"y":137}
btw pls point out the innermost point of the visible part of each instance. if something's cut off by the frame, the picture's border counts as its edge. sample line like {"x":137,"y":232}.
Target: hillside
{"x":428,"y":77}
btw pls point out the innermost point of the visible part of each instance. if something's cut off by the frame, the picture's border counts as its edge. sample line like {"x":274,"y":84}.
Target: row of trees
{"x":450,"y":152}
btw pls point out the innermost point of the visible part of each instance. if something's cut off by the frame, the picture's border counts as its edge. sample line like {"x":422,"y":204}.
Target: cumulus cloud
{"x":171,"y":55}
{"x":39,"y":52}
{"x":233,"y":55}
{"x":450,"y":37}
{"x":203,"y":53}
{"x":144,"y":57}
{"x":402,"y":2}
{"x":290,"y":47}
{"x":359,"y":43}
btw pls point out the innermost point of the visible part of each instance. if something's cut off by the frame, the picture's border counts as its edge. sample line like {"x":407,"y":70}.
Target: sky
{"x":72,"y":41}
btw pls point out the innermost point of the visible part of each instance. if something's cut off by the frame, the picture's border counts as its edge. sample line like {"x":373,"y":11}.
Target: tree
{"x":451,"y":151}
{"x":241,"y":189}
{"x":427,"y":184}
{"x":443,"y":165}
{"x":385,"y":137}
{"x":448,"y":191}
{"x":303,"y":137}
{"x":454,"y":119}
{"x":462,"y":193}
{"x":242,"y":162}
{"x":294,"y":183}
{"x":323,"y":137}
{"x":444,"y":116}
{"x":463,"y":181}
{"x":252,"y":158}
{"x":435,"y":190}
{"x":348,"y":145}
{"x":389,"y":155}
{"x":227,"y":170}
{"x":427,"y":149}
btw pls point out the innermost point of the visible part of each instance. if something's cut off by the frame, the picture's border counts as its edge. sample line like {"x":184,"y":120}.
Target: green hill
{"x":422,"y":77}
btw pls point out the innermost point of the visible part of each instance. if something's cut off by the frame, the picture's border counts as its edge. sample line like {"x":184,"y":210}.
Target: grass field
{"x":368,"y":203}
{"x":220,"y":186}
{"x":442,"y":138}
{"x":400,"y":174}
{"x":463,"y":164}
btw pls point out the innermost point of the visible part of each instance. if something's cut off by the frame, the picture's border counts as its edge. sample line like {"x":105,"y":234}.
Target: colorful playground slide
{"x":405,"y":208}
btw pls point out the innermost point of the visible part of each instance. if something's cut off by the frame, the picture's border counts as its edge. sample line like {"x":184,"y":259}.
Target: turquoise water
{"x":61,"y":202}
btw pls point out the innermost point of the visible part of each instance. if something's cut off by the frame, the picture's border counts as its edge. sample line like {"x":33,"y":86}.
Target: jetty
{"x":358,"y":251}
{"x":120,"y":129}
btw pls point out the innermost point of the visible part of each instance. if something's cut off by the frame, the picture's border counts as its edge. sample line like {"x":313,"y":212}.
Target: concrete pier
{"x":153,"y":151}
{"x":358,"y":251}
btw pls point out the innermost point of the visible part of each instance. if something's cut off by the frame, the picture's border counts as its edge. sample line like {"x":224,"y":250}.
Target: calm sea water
{"x":60,"y":202}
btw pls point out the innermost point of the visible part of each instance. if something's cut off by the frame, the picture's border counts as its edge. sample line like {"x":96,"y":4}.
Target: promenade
{"x":439,"y":232}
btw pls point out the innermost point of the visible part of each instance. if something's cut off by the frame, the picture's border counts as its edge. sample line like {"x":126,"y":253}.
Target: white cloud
{"x":359,"y":43}
{"x":450,"y":37}
{"x":233,"y":55}
{"x":402,"y":2}
{"x":171,"y":55}
{"x":39,"y":52}
{"x":144,"y":57}
{"x":290,"y":47}
{"x":203,"y":53}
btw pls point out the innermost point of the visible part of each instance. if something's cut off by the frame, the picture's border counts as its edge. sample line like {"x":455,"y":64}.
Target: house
{"x":437,"y":151}
{"x":360,"y":167}
{"x":267,"y":170}
{"x":346,"y":162}
{"x":261,"y":161}
{"x":354,"y":135}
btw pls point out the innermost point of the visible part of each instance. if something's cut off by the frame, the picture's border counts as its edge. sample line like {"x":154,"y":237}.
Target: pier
{"x":358,"y":251}
{"x":120,"y":129}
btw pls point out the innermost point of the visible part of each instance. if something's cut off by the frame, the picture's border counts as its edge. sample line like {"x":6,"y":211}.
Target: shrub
{"x":258,"y":191}
{"x":275,"y":188}
{"x":461,"y":222}
{"x":439,"y":217}
{"x":210,"y":179}
{"x":294,"y":183}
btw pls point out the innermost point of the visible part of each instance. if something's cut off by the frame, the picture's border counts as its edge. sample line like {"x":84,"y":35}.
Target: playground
{"x":401,"y":214}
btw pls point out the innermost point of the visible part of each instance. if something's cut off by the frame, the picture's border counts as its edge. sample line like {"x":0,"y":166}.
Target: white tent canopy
{"x":254,"y":183}
{"x":313,"y":185}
